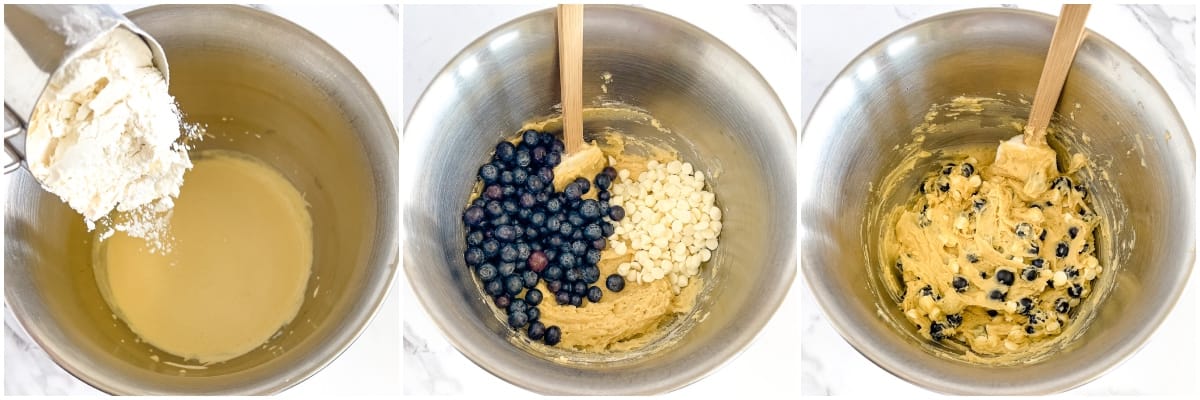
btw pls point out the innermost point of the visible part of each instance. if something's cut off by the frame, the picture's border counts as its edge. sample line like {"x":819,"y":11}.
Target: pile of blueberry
{"x":520,"y":231}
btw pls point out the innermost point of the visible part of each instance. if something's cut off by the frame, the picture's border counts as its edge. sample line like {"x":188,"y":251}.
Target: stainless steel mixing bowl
{"x":724,"y":118}
{"x":264,"y":87}
{"x":1134,"y":133}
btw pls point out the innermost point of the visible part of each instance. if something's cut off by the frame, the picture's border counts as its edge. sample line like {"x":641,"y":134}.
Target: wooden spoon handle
{"x":570,"y":73}
{"x":1068,"y":33}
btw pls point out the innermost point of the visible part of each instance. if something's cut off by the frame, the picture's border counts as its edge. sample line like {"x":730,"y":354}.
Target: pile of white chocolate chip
{"x":671,"y":224}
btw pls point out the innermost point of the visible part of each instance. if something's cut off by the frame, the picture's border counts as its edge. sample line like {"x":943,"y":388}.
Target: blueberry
{"x":473,"y":216}
{"x":610,"y":172}
{"x":520,"y":176}
{"x":542,"y":197}
{"x":506,"y":268}
{"x":505,"y":233}
{"x":590,"y":209}
{"x":579,"y":248}
{"x":508,"y":190}
{"x":536,"y":330}
{"x":592,"y":231}
{"x":553,"y":335}
{"x":508,"y":253}
{"x":944,"y":186}
{"x":1024,"y":306}
{"x":572,"y":274}
{"x":1042,"y":236}
{"x":983,"y":275}
{"x":1029,"y":329}
{"x":527,"y":201}
{"x":1075,"y":291}
{"x":604,"y":196}
{"x":992,"y":313}
{"x":997,"y":294}
{"x":948,"y":169}
{"x":517,"y":320}
{"x":530,"y":137}
{"x":1038,"y":262}
{"x":568,"y":261}
{"x":1023,"y":229}
{"x":532,"y":233}
{"x":602,"y":181}
{"x":562,"y":297}
{"x":493,"y":208}
{"x":505,"y":151}
{"x":594,"y":293}
{"x":553,"y":286}
{"x":573,"y":191}
{"x":502,"y":302}
{"x":547,"y":175}
{"x":517,"y":306}
{"x":1030,"y":274}
{"x":553,"y":273}
{"x":479,"y":202}
{"x":494,"y":288}
{"x":553,"y":205}
{"x":510,"y":206}
{"x":513,"y":284}
{"x":553,"y":158}
{"x":1062,"y":250}
{"x":954,"y":319}
{"x":474,"y":256}
{"x":584,"y":185}
{"x":535,"y":184}
{"x":591,"y":274}
{"x":537,"y":261}
{"x":592,"y":257}
{"x":960,"y":284}
{"x":579,"y":288}
{"x":475,"y":239}
{"x":577,"y":235}
{"x":507,"y":178}
{"x":533,"y":314}
{"x":566,"y":229}
{"x":530,"y":279}
{"x":615,"y":283}
{"x":599,"y":244}
{"x":539,"y":154}
{"x":501,"y":220}
{"x":576,"y":220}
{"x":1034,"y":249}
{"x":553,"y":226}
{"x":533,"y":297}
{"x":493,"y":192}
{"x":487,"y":272}
{"x":935,"y":331}
{"x":488,"y":173}
{"x":523,"y":158}
{"x":968,"y":170}
{"x":617,"y":213}
{"x":1073,"y":232}
{"x":1062,"y":306}
{"x":927,"y":291}
{"x":1005,"y":277}
{"x":523,"y":252}
{"x":576,"y":300}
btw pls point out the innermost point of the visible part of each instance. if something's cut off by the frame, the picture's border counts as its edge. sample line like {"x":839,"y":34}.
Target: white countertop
{"x":1162,"y":39}
{"x":767,"y":367}
{"x":367,"y":35}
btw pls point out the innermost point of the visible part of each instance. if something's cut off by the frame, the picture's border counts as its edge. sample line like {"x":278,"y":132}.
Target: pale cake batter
{"x":997,"y":256}
{"x":237,"y":273}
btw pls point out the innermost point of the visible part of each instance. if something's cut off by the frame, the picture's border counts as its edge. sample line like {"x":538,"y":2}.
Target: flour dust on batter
{"x":997,"y":256}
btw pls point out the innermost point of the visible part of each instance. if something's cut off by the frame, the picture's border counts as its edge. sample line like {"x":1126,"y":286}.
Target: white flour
{"x":105,"y":136}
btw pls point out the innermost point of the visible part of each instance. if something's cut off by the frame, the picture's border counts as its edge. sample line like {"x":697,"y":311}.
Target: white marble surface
{"x":1161,"y":38}
{"x":368,"y":36}
{"x":432,"y":365}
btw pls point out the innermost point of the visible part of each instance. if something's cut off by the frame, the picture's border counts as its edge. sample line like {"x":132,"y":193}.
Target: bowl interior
{"x":1114,"y":112}
{"x":264,"y":87}
{"x":718,"y":113}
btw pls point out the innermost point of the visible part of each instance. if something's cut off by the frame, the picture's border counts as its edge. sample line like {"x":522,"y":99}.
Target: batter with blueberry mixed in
{"x":997,"y":257}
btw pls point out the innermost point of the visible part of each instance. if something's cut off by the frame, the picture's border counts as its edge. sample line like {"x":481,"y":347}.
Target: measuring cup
{"x":40,"y":39}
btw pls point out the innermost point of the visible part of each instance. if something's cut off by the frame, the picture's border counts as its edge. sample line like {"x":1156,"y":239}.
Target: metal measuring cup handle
{"x":39,"y":39}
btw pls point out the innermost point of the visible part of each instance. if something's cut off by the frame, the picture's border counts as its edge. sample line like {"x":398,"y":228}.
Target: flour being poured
{"x":105,"y":136}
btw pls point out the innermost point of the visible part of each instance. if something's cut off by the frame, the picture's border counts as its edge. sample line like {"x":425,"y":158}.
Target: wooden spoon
{"x":1068,"y":33}
{"x":570,"y":73}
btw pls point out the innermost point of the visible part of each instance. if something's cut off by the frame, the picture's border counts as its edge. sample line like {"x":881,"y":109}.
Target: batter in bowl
{"x":997,"y":255}
{"x":237,"y":270}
